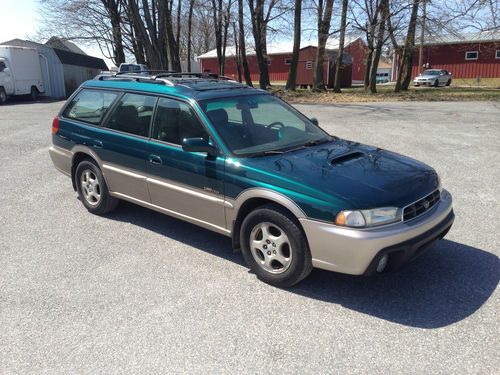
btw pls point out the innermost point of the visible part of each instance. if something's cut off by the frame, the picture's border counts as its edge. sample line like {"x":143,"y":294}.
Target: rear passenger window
{"x":175,"y":121}
{"x":90,"y":105}
{"x":133,"y":114}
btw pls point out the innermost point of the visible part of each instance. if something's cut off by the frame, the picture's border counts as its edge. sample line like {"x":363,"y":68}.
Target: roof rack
{"x":191,"y":75}
{"x":165,"y":77}
{"x":148,"y":71}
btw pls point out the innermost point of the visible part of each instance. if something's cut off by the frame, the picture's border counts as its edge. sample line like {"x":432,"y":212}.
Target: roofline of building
{"x":253,"y":53}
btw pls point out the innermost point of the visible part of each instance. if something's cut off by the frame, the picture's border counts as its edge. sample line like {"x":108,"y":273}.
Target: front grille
{"x":422,"y":205}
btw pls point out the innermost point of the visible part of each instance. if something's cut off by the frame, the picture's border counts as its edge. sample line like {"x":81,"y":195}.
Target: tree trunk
{"x":259,"y":28}
{"x":237,"y":53}
{"x":112,"y":7}
{"x":243,"y":53}
{"x":190,"y":26}
{"x":407,"y":55}
{"x":378,"y":48}
{"x":292,"y":75}
{"x":324,"y":19}
{"x":217,"y":20}
{"x":172,"y":43}
{"x":343,"y":22}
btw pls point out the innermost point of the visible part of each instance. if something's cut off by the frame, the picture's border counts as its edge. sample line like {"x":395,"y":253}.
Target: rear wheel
{"x":34,"y":93}
{"x":448,"y":83}
{"x":3,"y":96}
{"x":92,"y":189}
{"x":274,"y":246}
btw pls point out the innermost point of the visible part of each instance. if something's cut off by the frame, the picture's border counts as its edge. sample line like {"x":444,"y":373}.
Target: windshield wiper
{"x":316,"y":142}
{"x":264,"y":153}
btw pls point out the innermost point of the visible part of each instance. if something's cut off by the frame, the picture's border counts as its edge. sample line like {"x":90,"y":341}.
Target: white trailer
{"x":20,"y":72}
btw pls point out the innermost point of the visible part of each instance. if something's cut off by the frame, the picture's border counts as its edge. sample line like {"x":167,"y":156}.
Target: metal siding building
{"x":52,"y":69}
{"x":450,"y":53}
{"x":279,"y":65}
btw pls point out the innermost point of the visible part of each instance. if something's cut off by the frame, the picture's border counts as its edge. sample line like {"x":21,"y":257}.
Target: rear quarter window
{"x":90,"y":105}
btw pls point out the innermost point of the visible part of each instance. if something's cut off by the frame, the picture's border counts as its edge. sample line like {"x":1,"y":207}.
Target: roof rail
{"x":191,"y":75}
{"x":131,"y":77}
{"x":148,"y":71}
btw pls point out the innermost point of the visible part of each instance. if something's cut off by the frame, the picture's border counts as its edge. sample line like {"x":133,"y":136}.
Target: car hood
{"x":426,"y":76}
{"x":350,"y":174}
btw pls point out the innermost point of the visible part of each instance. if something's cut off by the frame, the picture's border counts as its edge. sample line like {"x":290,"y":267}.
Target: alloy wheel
{"x":91,"y":188}
{"x":271,"y":248}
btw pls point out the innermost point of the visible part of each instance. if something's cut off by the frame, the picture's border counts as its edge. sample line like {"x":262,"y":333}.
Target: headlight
{"x":368,"y":218}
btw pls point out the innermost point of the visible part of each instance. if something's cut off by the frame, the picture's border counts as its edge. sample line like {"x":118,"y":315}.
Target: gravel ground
{"x":139,"y":292}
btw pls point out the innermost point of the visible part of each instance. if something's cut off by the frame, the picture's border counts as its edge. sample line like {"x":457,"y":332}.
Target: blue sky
{"x":20,"y":19}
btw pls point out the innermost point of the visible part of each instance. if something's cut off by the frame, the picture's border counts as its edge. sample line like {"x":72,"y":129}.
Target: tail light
{"x":55,"y":125}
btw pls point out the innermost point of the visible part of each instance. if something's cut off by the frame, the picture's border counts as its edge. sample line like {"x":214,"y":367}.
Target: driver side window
{"x":174,"y":121}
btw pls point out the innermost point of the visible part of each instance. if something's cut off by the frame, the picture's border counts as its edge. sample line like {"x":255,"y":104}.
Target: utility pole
{"x":422,"y":35}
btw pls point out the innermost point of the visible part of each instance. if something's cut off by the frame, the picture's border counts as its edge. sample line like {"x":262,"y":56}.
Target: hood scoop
{"x":346,"y":157}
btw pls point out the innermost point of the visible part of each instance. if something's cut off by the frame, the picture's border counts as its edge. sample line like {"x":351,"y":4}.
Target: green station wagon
{"x":241,"y":162}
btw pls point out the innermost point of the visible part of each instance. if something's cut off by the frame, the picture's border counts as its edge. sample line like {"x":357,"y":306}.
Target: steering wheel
{"x":276,"y":123}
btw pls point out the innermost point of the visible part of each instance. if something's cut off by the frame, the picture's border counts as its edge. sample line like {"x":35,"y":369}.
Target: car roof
{"x":195,"y":86}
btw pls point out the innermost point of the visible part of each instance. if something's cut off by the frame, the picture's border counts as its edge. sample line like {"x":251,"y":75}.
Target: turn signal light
{"x":55,"y":125}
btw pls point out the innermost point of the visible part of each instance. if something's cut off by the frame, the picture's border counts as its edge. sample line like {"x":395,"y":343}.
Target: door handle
{"x":96,"y":143}
{"x":155,"y":159}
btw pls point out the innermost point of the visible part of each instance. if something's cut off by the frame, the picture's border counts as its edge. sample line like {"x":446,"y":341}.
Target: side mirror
{"x":198,"y":145}
{"x":314,"y":120}
{"x":6,"y":70}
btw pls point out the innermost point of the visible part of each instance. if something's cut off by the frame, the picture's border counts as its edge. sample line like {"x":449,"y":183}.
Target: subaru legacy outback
{"x":241,"y":162}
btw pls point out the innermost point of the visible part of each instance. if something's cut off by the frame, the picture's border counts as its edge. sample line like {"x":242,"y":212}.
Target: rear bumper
{"x":357,"y":251}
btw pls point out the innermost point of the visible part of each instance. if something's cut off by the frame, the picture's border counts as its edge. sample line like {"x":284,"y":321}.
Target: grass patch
{"x":386,"y":93}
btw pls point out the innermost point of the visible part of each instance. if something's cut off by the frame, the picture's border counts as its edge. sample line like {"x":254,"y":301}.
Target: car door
{"x":123,"y":145}
{"x":187,"y":184}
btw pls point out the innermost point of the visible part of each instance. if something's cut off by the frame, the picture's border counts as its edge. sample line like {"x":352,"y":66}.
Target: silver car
{"x":433,"y":77}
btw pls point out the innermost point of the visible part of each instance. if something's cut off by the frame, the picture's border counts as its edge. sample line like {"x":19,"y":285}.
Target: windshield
{"x":261,"y":124}
{"x":431,"y":73}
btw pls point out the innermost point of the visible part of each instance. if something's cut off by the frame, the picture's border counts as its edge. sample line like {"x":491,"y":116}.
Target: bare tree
{"x":190,"y":27}
{"x":407,"y":51}
{"x":383,"y":11}
{"x":325,"y":9}
{"x":292,"y":75}
{"x":261,"y":16}
{"x":242,"y":46}
{"x":221,"y":13}
{"x":343,"y":24}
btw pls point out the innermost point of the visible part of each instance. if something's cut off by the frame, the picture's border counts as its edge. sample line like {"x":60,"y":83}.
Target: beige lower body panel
{"x":62,"y":159}
{"x":126,"y":182}
{"x":351,"y":251}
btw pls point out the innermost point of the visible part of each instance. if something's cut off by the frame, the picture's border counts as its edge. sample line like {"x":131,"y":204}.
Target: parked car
{"x":382,"y":77}
{"x":433,"y":77}
{"x":241,"y":162}
{"x":132,"y":68}
{"x":20,"y":72}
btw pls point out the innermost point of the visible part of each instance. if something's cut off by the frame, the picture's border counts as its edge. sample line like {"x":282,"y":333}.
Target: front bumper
{"x":423,"y":83}
{"x":356,"y":251}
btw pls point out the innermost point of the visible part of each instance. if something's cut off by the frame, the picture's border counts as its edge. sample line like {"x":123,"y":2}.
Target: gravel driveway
{"x":140,"y":292}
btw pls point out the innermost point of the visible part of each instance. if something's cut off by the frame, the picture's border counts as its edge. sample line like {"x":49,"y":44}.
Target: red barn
{"x":280,"y":56}
{"x":465,"y":56}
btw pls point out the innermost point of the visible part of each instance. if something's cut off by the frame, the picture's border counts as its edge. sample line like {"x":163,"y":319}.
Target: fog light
{"x":382,"y":263}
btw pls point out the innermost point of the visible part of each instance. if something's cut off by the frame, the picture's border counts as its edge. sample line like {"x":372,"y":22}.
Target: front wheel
{"x":34,"y":93}
{"x":436,"y":83}
{"x":275,"y":247}
{"x":92,"y":189}
{"x":448,"y":83}
{"x":3,"y":96}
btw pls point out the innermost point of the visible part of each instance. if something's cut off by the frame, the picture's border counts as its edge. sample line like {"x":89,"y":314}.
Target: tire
{"x":280,"y":256}
{"x":448,"y":83}
{"x":34,"y":93}
{"x":3,"y":96}
{"x":92,"y":189}
{"x":436,"y":83}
